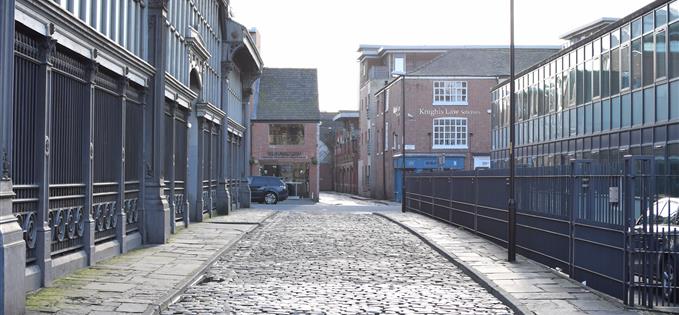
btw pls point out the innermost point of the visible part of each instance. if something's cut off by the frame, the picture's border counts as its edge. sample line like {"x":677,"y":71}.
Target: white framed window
{"x":450,"y":93}
{"x":450,"y":133}
{"x":399,"y":64}
{"x":386,"y":102}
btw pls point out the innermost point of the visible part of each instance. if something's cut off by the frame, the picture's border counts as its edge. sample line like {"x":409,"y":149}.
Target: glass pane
{"x":636,"y":64}
{"x":596,"y":117}
{"x":615,"y":38}
{"x":674,"y":100}
{"x":605,"y":77}
{"x":625,"y":33}
{"x":588,"y":118}
{"x":674,"y":50}
{"x":648,"y":46}
{"x":660,"y":52}
{"x":661,"y":16}
{"x":626,"y":110}
{"x":649,"y":106}
{"x":637,"y":108}
{"x":636,"y":28}
{"x":615,"y":71}
{"x":674,"y":10}
{"x":662,"y":102}
{"x":605,"y":43}
{"x":625,"y":67}
{"x":606,"y":115}
{"x":595,"y":77}
{"x":615,"y":113}
{"x":578,"y":86}
{"x":588,"y":82}
{"x":648,"y":22}
{"x":581,"y":120}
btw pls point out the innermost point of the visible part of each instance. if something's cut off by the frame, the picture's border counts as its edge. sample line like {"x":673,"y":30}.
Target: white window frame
{"x":450,"y":93}
{"x":399,"y":65}
{"x":450,"y":132}
{"x":386,"y":102}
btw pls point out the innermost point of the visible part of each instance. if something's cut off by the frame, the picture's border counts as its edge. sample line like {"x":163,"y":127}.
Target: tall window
{"x":450,"y":93}
{"x":286,"y":134}
{"x":450,"y":133}
{"x":399,"y":64}
{"x":386,"y":136}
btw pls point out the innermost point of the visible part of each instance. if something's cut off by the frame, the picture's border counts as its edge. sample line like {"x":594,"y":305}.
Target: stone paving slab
{"x":533,"y":286}
{"x":141,"y":280}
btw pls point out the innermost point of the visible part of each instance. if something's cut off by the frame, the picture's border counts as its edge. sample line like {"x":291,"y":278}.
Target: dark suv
{"x":267,"y":189}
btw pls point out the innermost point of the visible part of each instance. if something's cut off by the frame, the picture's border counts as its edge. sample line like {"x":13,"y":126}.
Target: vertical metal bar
{"x":403,"y":145}
{"x":511,"y":207}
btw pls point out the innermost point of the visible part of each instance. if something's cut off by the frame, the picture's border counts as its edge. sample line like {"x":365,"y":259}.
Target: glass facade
{"x":603,"y":98}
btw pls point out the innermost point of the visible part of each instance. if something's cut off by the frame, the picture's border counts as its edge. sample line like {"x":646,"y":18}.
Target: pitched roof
{"x":482,"y":61}
{"x":288,"y":94}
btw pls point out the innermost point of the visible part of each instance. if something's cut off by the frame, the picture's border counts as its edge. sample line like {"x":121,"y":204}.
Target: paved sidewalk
{"x":529,"y":285}
{"x":141,"y":280}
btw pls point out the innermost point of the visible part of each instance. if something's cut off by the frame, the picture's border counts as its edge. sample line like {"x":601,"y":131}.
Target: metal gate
{"x":652,"y":223}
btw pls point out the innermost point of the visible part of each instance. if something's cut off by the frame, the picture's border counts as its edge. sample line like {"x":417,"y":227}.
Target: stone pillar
{"x":12,"y":246}
{"x":194,"y":183}
{"x":170,"y":174}
{"x":156,"y":216}
{"x":223,"y":194}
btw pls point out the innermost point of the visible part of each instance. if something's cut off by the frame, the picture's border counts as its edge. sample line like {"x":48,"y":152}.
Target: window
{"x":399,"y":64}
{"x":386,"y":102}
{"x":286,"y":134}
{"x":660,"y":52}
{"x":386,"y":136}
{"x":450,"y":133}
{"x":636,"y":63}
{"x":450,"y":93}
{"x":674,"y":49}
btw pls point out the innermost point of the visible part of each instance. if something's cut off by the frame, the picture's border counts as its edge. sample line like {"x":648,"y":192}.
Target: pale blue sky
{"x":325,"y":34}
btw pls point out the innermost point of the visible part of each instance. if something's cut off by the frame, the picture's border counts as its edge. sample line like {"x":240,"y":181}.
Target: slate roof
{"x":482,"y":62}
{"x":288,"y":94}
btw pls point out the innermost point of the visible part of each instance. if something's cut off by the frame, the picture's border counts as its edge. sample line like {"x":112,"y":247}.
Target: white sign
{"x":481,"y":162}
{"x":410,"y":147}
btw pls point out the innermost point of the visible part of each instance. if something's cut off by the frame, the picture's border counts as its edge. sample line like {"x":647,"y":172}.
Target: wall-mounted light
{"x":188,"y":125}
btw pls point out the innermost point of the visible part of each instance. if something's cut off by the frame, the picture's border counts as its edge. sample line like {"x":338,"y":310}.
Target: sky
{"x":326,"y":34}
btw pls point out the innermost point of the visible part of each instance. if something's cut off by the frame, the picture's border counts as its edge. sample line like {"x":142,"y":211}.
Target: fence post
{"x":42,"y":155}
{"x":88,"y":162}
{"x":476,"y":199}
{"x":13,"y":248}
{"x":121,"y":222}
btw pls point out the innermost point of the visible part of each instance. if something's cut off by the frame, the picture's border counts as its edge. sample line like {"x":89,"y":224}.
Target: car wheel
{"x":270,"y":198}
{"x":668,"y":278}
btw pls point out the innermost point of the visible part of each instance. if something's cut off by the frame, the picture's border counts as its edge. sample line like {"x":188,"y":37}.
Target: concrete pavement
{"x":534,"y":287}
{"x":147,"y":279}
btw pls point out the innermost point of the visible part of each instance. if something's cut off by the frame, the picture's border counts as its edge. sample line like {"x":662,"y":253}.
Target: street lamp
{"x":511,"y":204}
{"x":402,"y":76}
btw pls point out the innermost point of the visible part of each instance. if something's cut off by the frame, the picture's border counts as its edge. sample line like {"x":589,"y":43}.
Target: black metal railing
{"x":573,"y":218}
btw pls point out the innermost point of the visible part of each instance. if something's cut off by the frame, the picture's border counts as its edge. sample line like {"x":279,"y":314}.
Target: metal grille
{"x":69,"y":96}
{"x":131,"y":206}
{"x":24,"y":205}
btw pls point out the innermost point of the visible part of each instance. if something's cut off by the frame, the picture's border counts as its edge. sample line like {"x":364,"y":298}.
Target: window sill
{"x":450,"y":103}
{"x":439,"y":147}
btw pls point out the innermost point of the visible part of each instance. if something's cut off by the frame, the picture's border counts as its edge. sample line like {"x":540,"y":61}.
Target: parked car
{"x":662,"y":225}
{"x":267,"y":189}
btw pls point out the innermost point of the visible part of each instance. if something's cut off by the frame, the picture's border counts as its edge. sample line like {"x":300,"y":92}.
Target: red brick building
{"x":346,"y":152}
{"x":285,"y":129}
{"x":447,"y":106}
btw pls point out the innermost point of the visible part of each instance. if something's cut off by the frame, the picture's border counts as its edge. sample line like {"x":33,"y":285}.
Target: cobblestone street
{"x":320,"y":262}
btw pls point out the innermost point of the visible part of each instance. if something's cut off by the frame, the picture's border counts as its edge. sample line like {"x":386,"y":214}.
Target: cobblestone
{"x":334,"y":263}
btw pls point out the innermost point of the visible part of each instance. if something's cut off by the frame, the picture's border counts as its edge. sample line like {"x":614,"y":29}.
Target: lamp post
{"x":511,"y":204}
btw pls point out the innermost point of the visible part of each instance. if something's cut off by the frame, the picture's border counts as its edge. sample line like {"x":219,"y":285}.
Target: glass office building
{"x":613,"y":94}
